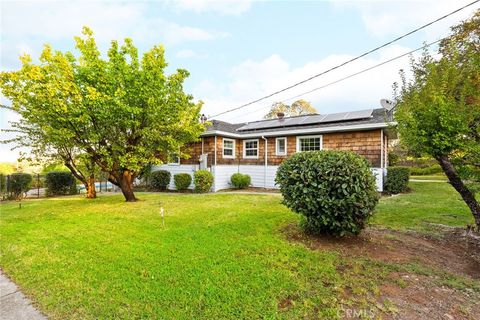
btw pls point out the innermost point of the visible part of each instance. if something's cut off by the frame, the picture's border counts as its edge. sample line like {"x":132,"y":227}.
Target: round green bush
{"x":240,"y":180}
{"x":334,"y":191}
{"x":60,"y":183}
{"x":203,"y":181}
{"x":159,"y":180}
{"x":182,"y":181}
{"x":18,"y":184}
{"x":397,"y":179}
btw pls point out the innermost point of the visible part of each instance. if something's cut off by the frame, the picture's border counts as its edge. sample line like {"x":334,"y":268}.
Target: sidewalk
{"x":13,"y":304}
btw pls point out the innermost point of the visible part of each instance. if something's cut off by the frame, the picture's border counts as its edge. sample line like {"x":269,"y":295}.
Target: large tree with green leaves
{"x":438,"y":110}
{"x":298,"y":108}
{"x":123,"y":112}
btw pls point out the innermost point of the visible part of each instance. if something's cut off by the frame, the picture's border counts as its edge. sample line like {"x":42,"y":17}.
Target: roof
{"x":344,"y":121}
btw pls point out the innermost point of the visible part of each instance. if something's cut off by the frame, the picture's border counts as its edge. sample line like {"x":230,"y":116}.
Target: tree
{"x":54,"y":149}
{"x":438,"y":111}
{"x":122,"y":112}
{"x":298,"y":108}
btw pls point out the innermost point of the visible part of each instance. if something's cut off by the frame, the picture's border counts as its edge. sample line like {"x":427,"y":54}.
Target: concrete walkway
{"x":13,"y":304}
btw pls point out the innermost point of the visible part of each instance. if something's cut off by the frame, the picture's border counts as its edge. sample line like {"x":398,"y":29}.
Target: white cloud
{"x":40,"y":22}
{"x":395,"y":17}
{"x":189,"y":54}
{"x":253,"y":79}
{"x":225,"y":7}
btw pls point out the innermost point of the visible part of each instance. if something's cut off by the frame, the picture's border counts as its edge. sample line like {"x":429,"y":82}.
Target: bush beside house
{"x":60,"y":183}
{"x":334,"y":191}
{"x":159,"y":180}
{"x":203,"y":181}
{"x":240,"y":180}
{"x":397,"y":179}
{"x":182,"y":181}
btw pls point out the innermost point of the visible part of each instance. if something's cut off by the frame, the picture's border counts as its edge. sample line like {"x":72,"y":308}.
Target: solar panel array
{"x":310,"y":119}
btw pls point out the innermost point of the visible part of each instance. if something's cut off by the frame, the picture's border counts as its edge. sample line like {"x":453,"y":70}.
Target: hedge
{"x":60,"y":183}
{"x":203,"y":181}
{"x":334,"y":191}
{"x":182,"y":181}
{"x":159,"y":180}
{"x":17,"y":184}
{"x":397,"y":179}
{"x":240,"y":180}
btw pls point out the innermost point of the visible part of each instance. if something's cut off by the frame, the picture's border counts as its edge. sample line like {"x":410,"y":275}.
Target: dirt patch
{"x":415,"y":294}
{"x":451,"y":251}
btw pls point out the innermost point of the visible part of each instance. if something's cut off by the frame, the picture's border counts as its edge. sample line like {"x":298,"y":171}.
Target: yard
{"x":238,"y":256}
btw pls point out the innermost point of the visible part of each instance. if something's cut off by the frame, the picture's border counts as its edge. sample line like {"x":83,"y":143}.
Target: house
{"x":258,"y":148}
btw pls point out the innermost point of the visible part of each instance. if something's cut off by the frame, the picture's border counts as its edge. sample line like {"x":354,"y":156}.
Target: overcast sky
{"x":237,"y":51}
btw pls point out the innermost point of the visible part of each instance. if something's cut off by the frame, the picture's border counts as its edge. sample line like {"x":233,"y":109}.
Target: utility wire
{"x":355,"y":74}
{"x":348,"y":61}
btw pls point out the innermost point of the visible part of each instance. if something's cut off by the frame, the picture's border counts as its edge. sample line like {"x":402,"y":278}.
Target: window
{"x":228,"y":148}
{"x":250,"y":149}
{"x":281,"y":146}
{"x":309,"y":143}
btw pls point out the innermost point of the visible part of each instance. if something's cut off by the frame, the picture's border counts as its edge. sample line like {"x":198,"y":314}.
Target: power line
{"x":354,"y":74}
{"x":348,"y":61}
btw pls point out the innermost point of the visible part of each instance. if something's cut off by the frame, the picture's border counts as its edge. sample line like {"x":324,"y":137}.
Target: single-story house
{"x":257,"y":148}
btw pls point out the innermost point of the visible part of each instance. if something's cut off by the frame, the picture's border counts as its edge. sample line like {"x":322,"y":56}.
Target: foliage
{"x":393,"y":158}
{"x":240,"y":181}
{"x":334,"y":191}
{"x":53,"y":167}
{"x":203,"y":181}
{"x":60,"y":183}
{"x":122,"y":111}
{"x":7,"y":167}
{"x":159,"y":180}
{"x":418,"y":171}
{"x":182,"y":181}
{"x":298,"y":108}
{"x":397,"y":179}
{"x":438,"y":110}
{"x":18,"y":184}
{"x":3,"y":183}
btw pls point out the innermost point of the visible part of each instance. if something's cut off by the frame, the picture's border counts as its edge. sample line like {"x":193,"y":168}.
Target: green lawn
{"x":218,"y":256}
{"x":430,"y":177}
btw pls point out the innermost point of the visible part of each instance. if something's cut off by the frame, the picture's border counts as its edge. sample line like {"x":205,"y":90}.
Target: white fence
{"x":223,"y":173}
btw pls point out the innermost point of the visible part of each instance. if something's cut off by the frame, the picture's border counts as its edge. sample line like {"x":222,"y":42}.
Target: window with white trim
{"x":281,"y":146}
{"x":250,"y":149}
{"x":228,"y":148}
{"x":309,"y":143}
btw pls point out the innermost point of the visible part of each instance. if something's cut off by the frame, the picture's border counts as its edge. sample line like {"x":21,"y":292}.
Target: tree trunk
{"x":467,"y":195}
{"x":125,"y":182}
{"x":90,"y":187}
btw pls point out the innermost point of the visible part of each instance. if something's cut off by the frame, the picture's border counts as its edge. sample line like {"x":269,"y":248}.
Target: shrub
{"x":3,"y":183}
{"x":203,"y":180}
{"x":159,"y":180}
{"x":393,"y":158}
{"x":334,"y":191}
{"x":60,"y":183}
{"x":18,"y":184}
{"x":397,"y":179}
{"x":240,"y":181}
{"x":433,"y":169}
{"x":182,"y":181}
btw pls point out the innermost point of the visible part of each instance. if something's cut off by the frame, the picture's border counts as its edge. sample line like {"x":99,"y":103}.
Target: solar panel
{"x":311,"y":119}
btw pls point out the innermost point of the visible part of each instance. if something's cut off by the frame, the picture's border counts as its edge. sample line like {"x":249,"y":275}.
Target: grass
{"x":218,"y":256}
{"x":427,"y":203}
{"x":441,"y":177}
